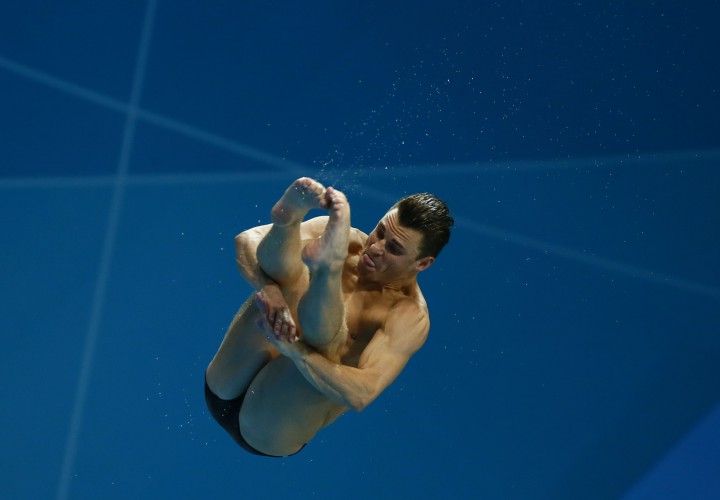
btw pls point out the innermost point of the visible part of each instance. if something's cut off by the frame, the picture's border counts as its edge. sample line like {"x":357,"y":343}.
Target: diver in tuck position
{"x":336,"y":318}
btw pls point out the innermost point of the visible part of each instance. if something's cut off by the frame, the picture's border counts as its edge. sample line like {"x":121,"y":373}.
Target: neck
{"x":400,"y":285}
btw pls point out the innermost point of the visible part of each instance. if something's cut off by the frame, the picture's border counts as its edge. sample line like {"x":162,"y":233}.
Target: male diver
{"x":336,"y":317}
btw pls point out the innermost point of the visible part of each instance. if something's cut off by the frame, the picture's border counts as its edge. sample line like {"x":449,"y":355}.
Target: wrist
{"x":269,"y":285}
{"x":299,"y":351}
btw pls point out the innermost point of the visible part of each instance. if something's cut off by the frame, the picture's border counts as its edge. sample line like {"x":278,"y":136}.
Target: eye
{"x":394,"y":249}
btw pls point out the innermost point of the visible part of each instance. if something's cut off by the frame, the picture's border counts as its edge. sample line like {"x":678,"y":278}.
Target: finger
{"x":278,"y":325}
{"x":289,"y":326}
{"x":291,"y":333}
{"x":272,"y":315}
{"x":279,"y":330}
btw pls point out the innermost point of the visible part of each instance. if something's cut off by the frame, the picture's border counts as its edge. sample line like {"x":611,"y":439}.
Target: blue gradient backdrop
{"x":575,"y":338}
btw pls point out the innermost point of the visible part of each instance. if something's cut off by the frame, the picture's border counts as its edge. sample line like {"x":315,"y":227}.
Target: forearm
{"x":343,"y":384}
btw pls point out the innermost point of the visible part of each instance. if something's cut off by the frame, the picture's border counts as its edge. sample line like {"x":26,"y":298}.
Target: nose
{"x":377,"y":248}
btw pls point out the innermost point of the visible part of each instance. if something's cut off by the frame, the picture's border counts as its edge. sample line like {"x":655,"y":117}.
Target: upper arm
{"x":403,"y":334}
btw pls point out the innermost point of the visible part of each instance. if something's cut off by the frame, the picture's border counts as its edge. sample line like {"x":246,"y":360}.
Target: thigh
{"x":242,"y":354}
{"x":282,"y":411}
{"x":244,"y":350}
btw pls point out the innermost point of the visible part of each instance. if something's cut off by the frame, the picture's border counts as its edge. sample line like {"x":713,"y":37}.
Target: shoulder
{"x":357,"y":241}
{"x":356,"y":233}
{"x":403,"y":333}
{"x":409,"y":307}
{"x":408,"y":318}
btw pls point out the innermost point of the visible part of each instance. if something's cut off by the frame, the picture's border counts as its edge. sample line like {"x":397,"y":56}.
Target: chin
{"x":365,"y":270}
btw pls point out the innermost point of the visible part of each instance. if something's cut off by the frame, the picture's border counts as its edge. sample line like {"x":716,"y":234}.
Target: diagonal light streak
{"x":57,"y":182}
{"x":566,"y":253}
{"x":150,"y":117}
{"x":441,"y":169}
{"x":221,"y":142}
{"x":589,"y":259}
{"x":101,"y":284}
{"x":219,"y":178}
{"x":687,"y":159}
{"x":488,"y":231}
{"x":133,"y":113}
{"x":63,"y":85}
{"x":684,"y":158}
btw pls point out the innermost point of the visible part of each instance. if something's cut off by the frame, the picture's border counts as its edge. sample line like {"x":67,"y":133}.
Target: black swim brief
{"x":227,"y":413}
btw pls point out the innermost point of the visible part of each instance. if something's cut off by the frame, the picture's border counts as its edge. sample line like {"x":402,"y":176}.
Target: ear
{"x":424,"y":263}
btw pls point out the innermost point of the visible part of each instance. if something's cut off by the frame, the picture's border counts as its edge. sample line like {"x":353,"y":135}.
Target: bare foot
{"x":330,"y":250}
{"x":302,"y":196}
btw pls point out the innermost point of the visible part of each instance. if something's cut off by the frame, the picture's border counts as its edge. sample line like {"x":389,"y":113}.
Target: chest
{"x":365,"y":314}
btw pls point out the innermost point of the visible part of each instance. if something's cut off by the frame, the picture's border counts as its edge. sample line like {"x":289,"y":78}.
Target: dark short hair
{"x":428,"y":214}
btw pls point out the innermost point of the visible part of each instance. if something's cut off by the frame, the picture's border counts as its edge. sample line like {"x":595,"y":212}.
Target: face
{"x":391,"y":251}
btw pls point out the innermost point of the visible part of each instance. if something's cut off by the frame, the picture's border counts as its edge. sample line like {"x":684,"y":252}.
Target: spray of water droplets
{"x":401,"y":129}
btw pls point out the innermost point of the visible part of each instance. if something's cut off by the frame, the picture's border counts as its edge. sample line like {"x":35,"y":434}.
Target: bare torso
{"x":366,"y":308}
{"x":366,"y":311}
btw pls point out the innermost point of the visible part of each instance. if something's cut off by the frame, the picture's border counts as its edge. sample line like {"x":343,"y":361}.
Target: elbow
{"x":362,"y":401}
{"x":243,"y":242}
{"x":241,"y":239}
{"x":240,"y":243}
{"x":358,"y":405}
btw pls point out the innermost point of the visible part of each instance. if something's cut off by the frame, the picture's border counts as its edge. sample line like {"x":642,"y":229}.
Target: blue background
{"x":575,"y":342}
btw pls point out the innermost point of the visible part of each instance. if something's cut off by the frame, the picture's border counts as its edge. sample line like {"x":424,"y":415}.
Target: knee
{"x":215,"y":382}
{"x":223,"y":383}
